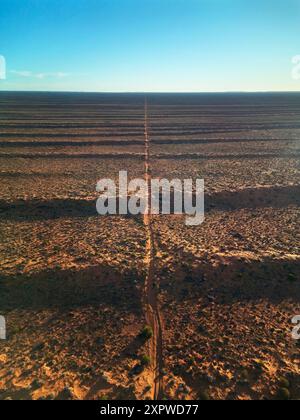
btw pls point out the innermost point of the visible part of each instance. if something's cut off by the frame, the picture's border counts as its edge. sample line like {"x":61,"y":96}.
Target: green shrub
{"x":292,"y":277}
{"x":284,"y":383}
{"x":245,"y":375}
{"x":204,"y":396}
{"x":147,"y":333}
{"x":283,"y":394}
{"x":145,"y":360}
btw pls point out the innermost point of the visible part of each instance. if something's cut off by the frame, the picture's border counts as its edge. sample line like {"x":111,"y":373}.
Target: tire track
{"x":152,"y":311}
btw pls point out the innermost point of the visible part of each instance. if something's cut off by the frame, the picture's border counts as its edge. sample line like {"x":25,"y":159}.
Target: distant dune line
{"x":161,"y":119}
{"x":24,"y":126}
{"x":179,"y":156}
{"x":71,"y":143}
{"x":158,"y":131}
{"x":159,"y":127}
{"x":139,"y":156}
{"x":75,"y":135}
{"x":85,"y":143}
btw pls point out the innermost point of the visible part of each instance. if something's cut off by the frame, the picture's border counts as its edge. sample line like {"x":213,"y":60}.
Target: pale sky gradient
{"x":150,"y":45}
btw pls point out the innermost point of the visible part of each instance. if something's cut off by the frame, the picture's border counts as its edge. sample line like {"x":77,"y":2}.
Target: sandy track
{"x":153,"y":316}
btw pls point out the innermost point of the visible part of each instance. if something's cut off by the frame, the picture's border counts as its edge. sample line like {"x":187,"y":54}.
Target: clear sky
{"x":150,"y":45}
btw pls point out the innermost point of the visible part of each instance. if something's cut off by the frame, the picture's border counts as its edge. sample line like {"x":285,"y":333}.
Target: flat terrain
{"x":73,"y":285}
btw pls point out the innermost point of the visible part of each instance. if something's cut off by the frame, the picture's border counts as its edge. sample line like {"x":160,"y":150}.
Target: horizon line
{"x":152,"y":92}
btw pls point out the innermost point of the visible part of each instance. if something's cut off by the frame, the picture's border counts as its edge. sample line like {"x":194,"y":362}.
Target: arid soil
{"x":77,"y":289}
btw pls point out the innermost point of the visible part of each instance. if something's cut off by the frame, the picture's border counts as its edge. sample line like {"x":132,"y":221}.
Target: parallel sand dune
{"x":77,"y":289}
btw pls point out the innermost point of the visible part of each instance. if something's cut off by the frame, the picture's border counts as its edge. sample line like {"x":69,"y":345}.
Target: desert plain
{"x":77,"y":289}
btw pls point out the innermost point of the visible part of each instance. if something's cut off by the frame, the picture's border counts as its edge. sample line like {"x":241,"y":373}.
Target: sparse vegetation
{"x":283,"y":394}
{"x":245,"y":375}
{"x":103,"y":398}
{"x":145,"y":360}
{"x":204,"y":396}
{"x":284,"y":383}
{"x":146,"y":333}
{"x":292,"y":278}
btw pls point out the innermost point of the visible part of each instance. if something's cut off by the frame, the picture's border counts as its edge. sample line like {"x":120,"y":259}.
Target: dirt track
{"x":153,"y":315}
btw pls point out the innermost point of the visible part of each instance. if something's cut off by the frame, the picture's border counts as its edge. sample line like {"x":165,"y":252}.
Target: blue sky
{"x":149,"y":45}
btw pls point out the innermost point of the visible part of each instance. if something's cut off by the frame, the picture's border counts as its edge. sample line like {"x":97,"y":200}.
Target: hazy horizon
{"x":155,"y":92}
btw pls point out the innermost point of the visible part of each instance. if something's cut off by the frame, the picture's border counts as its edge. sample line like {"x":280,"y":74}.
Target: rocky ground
{"x":71,"y":282}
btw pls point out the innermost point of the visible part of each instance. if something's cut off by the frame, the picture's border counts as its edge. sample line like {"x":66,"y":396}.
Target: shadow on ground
{"x":251,"y":198}
{"x":65,"y":289}
{"x":232,"y":279}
